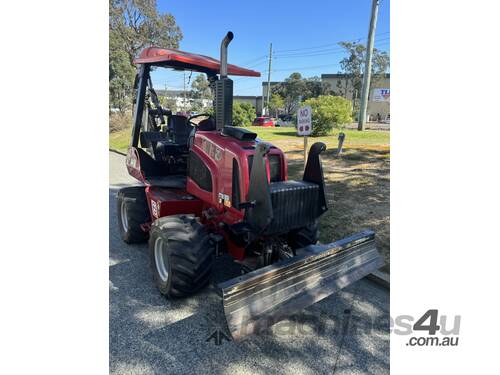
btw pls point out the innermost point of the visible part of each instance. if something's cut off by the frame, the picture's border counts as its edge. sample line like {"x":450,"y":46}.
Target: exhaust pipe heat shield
{"x":261,"y":298}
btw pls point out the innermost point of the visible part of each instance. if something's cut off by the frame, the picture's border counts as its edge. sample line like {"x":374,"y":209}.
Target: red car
{"x":263,"y":121}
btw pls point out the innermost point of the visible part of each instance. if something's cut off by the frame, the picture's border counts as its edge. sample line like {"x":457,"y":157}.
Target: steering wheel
{"x":208,"y":115}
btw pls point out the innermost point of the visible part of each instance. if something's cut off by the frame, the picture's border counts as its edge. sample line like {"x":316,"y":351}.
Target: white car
{"x":285,"y":121}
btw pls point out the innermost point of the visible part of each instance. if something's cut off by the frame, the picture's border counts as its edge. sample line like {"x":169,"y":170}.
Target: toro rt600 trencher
{"x":210,"y":187}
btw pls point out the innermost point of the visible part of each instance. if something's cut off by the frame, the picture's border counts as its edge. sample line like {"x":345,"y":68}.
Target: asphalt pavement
{"x":346,"y":333}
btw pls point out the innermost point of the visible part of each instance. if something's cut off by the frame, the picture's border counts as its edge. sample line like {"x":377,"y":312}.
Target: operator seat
{"x":204,"y":125}
{"x":179,"y":129}
{"x":178,"y":133}
{"x":207,"y":124}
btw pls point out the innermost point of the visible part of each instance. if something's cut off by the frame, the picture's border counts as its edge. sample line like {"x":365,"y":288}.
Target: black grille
{"x":236,"y":185}
{"x":295,"y":205}
{"x":199,"y":172}
{"x":223,"y":103}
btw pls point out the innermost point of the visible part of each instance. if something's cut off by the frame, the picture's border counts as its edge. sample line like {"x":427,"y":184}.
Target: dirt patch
{"x":119,"y":121}
{"x":357,"y":189}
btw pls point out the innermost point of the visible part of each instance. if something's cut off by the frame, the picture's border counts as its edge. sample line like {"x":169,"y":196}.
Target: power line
{"x":254,"y":65}
{"x":328,"y":44}
{"x":326,"y":51}
{"x":263,"y":57}
{"x":248,"y":67}
{"x":303,"y":68}
{"x":333,"y":52}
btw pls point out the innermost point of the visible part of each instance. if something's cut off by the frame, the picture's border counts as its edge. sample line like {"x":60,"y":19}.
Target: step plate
{"x":261,"y":298}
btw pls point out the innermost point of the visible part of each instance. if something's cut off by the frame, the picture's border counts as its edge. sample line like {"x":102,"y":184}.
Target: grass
{"x":353,"y":137}
{"x":357,"y":191}
{"x":120,"y":140}
{"x":287,"y":139}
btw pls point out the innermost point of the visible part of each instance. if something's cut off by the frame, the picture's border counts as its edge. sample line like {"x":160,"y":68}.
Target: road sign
{"x":304,"y":125}
{"x":381,"y":95}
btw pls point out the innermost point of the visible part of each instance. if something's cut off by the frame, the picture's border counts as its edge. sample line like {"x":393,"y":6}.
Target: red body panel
{"x":133,"y":164}
{"x":218,"y":152}
{"x":167,"y":202}
{"x":176,"y":59}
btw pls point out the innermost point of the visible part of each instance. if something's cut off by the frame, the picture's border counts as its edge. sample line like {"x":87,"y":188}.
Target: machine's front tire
{"x":304,"y":236}
{"x":180,"y":253}
{"x":132,"y":209}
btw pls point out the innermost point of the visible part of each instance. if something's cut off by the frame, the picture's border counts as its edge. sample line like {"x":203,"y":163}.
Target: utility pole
{"x":368,"y":67}
{"x":269,"y":78}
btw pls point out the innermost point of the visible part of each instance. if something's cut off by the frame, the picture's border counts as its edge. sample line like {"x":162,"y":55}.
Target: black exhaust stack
{"x":224,"y":89}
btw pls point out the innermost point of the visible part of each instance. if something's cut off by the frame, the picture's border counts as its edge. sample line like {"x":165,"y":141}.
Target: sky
{"x":304,"y":35}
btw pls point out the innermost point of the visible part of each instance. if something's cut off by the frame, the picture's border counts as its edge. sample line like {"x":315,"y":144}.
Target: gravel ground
{"x":346,"y":333}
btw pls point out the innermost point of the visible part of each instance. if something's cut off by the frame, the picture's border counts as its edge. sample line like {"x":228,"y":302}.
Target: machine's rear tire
{"x":180,"y":254}
{"x":304,"y":236}
{"x":132,"y":209}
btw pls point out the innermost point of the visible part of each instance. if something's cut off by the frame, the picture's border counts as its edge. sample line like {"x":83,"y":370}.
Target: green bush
{"x":243,"y":114}
{"x":329,"y":111}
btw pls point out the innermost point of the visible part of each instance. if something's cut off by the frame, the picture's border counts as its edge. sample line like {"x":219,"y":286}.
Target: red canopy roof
{"x":188,"y":61}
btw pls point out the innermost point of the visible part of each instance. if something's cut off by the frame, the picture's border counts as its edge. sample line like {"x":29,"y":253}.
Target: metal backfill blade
{"x":259,"y":299}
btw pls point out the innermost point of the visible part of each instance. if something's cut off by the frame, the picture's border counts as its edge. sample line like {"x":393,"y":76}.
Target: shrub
{"x":210,"y":110}
{"x":329,"y":111}
{"x":119,"y":121}
{"x":243,"y":114}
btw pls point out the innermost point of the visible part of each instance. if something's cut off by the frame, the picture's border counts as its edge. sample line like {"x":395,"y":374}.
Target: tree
{"x":168,"y":103}
{"x":295,"y":89}
{"x":315,"y":87}
{"x":196,"y":105}
{"x":328,"y":111}
{"x":291,"y":91}
{"x":133,"y":26}
{"x":121,"y":75}
{"x":275,"y":103}
{"x":200,"y":88}
{"x":353,"y":66}
{"x":243,"y":114}
{"x":140,"y":25}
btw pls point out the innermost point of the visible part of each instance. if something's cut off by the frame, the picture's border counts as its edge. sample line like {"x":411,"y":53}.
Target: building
{"x":255,"y":101}
{"x":182,"y":100}
{"x":379,"y":96}
{"x":184,"y":103}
